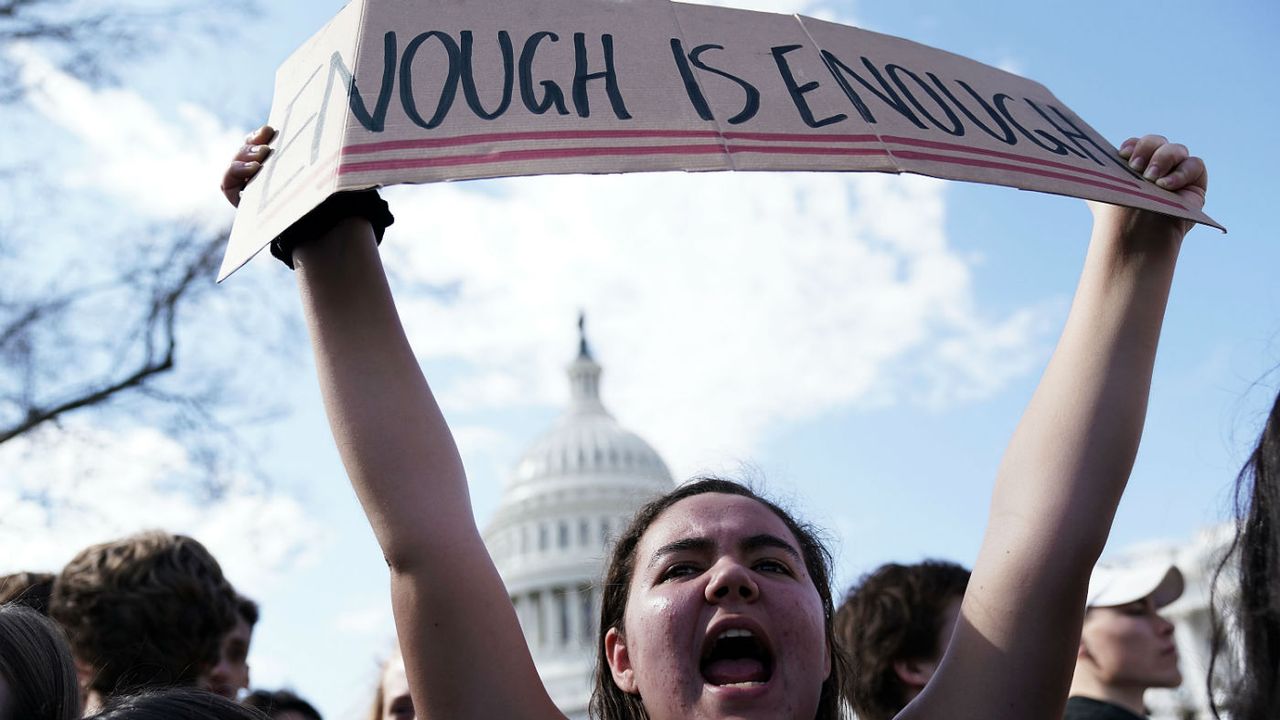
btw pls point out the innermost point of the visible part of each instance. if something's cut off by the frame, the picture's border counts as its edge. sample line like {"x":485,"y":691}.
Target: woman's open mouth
{"x":736,"y":657}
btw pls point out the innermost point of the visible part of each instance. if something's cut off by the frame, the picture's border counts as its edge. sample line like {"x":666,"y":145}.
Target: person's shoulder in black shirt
{"x":1083,"y":708}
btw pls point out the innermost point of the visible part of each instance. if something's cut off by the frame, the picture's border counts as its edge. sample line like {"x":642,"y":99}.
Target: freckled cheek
{"x":805,"y":634}
{"x":652,"y":613}
{"x":658,"y":623}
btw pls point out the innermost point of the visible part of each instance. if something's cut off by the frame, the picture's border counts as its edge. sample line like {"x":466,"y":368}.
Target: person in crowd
{"x":281,"y":705}
{"x":37,"y":675}
{"x":893,"y":627}
{"x":231,"y":673}
{"x":391,"y":700}
{"x":148,"y":610}
{"x":175,"y":703}
{"x":1252,"y":691}
{"x":717,"y":602}
{"x":1126,"y":647}
{"x":31,"y":589}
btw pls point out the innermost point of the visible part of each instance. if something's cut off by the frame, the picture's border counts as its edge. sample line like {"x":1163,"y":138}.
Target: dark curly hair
{"x":608,"y":701}
{"x":37,"y":667}
{"x":893,"y":613}
{"x":247,"y":610}
{"x":31,"y":589}
{"x":144,"y":611}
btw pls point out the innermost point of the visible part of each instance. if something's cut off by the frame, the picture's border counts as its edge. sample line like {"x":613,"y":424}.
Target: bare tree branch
{"x":104,"y":328}
{"x":157,"y":338}
{"x":87,"y":37}
{"x":37,"y":416}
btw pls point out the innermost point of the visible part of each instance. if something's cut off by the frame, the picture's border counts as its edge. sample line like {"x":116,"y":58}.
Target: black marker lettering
{"x":1057,"y":148}
{"x":609,"y":75}
{"x":751,"y":105}
{"x":1075,"y":135}
{"x":447,"y":91}
{"x":553,"y":96}
{"x":835,"y":67}
{"x":690,"y":84}
{"x":1006,"y":135}
{"x":337,"y":68}
{"x":469,"y":80}
{"x":376,"y":121}
{"x":885,"y":92}
{"x":798,"y":91}
{"x":895,"y":71}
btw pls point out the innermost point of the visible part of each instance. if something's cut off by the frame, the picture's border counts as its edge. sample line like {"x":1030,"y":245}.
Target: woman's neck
{"x":1084,"y":684}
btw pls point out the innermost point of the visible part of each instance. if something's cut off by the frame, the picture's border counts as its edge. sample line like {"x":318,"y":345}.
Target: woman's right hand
{"x":246,"y":163}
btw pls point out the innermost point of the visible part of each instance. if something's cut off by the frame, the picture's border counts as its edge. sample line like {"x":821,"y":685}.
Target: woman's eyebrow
{"x":765,"y":540}
{"x":695,"y":544}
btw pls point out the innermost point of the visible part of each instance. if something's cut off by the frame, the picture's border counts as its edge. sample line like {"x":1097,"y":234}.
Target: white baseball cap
{"x":1114,"y":585}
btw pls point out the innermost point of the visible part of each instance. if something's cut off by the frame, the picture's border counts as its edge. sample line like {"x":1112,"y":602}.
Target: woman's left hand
{"x":1170,"y":166}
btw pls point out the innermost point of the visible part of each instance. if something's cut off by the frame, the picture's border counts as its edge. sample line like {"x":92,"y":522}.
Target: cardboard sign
{"x":431,"y":90}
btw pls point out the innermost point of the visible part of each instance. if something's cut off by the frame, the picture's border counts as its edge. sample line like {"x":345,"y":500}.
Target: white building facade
{"x":572,"y":492}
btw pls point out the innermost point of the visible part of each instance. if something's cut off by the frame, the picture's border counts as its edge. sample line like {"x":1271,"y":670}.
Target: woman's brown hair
{"x":1254,"y":556}
{"x":36,"y":665}
{"x":608,"y":701}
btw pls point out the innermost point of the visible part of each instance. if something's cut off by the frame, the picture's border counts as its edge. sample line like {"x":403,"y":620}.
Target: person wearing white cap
{"x":1126,"y":647}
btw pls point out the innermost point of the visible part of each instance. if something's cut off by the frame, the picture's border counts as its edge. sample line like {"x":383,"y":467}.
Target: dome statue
{"x":574,"y":489}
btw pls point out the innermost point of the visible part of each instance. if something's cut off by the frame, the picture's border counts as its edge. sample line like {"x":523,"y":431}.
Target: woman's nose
{"x":732,"y":581}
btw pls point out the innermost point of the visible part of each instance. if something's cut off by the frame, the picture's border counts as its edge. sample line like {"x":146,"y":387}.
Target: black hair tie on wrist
{"x":366,"y":204}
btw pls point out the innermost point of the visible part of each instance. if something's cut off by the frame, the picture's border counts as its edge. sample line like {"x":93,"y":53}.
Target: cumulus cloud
{"x":92,"y":484}
{"x":722,"y":305}
{"x":371,"y":619}
{"x":163,"y":165}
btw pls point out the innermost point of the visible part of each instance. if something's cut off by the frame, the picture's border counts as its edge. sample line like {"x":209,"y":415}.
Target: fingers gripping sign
{"x":1169,"y":165}
{"x":246,"y":163}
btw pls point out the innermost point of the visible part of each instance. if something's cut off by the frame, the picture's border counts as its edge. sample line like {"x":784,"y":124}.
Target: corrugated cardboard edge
{"x":241,"y":246}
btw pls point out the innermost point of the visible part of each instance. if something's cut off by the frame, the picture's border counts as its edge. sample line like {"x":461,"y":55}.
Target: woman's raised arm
{"x":464,"y":652}
{"x":1063,"y":473}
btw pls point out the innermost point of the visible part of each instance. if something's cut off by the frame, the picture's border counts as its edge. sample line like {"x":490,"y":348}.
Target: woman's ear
{"x":1082,"y":652}
{"x":915,"y":674}
{"x":615,"y":649}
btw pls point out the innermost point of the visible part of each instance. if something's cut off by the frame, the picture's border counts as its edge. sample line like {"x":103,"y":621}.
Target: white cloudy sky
{"x":865,"y":341}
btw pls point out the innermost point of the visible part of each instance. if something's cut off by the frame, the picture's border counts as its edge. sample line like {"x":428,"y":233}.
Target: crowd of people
{"x":716,"y":602}
{"x":153,"y":640}
{"x":142,"y":627}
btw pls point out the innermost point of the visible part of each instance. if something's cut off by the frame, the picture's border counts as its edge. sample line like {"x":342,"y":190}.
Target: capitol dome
{"x":570,"y":494}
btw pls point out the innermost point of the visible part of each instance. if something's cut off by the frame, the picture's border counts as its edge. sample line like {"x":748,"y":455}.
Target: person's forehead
{"x":716,"y":516}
